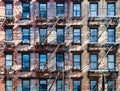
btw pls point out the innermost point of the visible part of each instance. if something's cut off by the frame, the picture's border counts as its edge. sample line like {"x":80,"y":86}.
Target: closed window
{"x":76,"y":61}
{"x":43,"y":35}
{"x":93,"y":61}
{"x":25,"y":10}
{"x":76,"y":35}
{"x":60,"y":35}
{"x":76,"y":10}
{"x":111,"y":85}
{"x":26,"y":61}
{"x":8,"y":9}
{"x":93,"y":85}
{"x":60,"y":61}
{"x":25,"y":85}
{"x":60,"y":85}
{"x":43,"y":85}
{"x":26,"y":35}
{"x":111,"y":62}
{"x":8,"y":85}
{"x":76,"y":85}
{"x":93,"y":9}
{"x":111,"y":35}
{"x":43,"y":10}
{"x":42,"y":60}
{"x":8,"y":60}
{"x":60,"y":10}
{"x":93,"y":35}
{"x":111,"y":9}
{"x":8,"y":34}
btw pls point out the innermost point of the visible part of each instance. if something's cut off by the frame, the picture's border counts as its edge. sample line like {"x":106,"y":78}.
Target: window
{"x":76,"y":61}
{"x":43,"y":34}
{"x":8,"y":60}
{"x":8,"y":34}
{"x":8,"y":9}
{"x":93,"y":9}
{"x":60,"y":61}
{"x":43,"y":85}
{"x":93,"y":85}
{"x":26,"y":35}
{"x":25,"y":10}
{"x":43,"y":10}
{"x":76,"y":10}
{"x":8,"y":85}
{"x":111,"y":62}
{"x":93,"y":61}
{"x":76,"y":35}
{"x":60,"y":35}
{"x":111,"y":35}
{"x":42,"y":60}
{"x":110,"y":9}
{"x":60,"y":84}
{"x":60,"y":10}
{"x":26,"y":61}
{"x":111,"y":85}
{"x":25,"y":85}
{"x":76,"y":85}
{"x":93,"y":35}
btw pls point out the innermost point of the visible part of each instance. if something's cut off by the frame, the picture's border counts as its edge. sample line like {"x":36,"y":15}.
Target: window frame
{"x":42,"y":35}
{"x":11,"y":35}
{"x":59,"y":67}
{"x":61,"y":15}
{"x":96,"y":84}
{"x":93,"y":36}
{"x":77,"y":36}
{"x":76,"y":62}
{"x":94,"y":10}
{"x":9,"y":60}
{"x":43,"y":11}
{"x":42,"y":62}
{"x":6,"y":84}
{"x":74,"y":83}
{"x":23,"y":85}
{"x":77,"y":10}
{"x":111,"y":10}
{"x":24,"y":68}
{"x":96,"y":62}
{"x":9,"y":9}
{"x":26,"y":12}
{"x":112,"y":35}
{"x":25,"y":36}
{"x":113,"y":62}
{"x":60,"y":36}
{"x":46,"y":84}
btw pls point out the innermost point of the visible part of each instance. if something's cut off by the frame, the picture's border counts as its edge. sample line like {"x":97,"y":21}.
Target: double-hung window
{"x":60,"y":9}
{"x":111,"y":62}
{"x":93,"y":61}
{"x":8,"y":60}
{"x":59,"y":85}
{"x":93,"y":9}
{"x":59,"y":61}
{"x":8,"y":34}
{"x":93,"y":35}
{"x":8,"y":85}
{"x":43,"y":85}
{"x":8,"y":9}
{"x":26,"y":35}
{"x":93,"y":85}
{"x":43,"y":34}
{"x":76,"y":85}
{"x":76,"y":61}
{"x":76,"y":35}
{"x":76,"y":10}
{"x":60,"y":35}
{"x":42,"y":60}
{"x":25,"y":85}
{"x":111,"y":85}
{"x":111,"y":35}
{"x":25,"y":61}
{"x":43,"y":10}
{"x":25,"y":10}
{"x":111,"y":9}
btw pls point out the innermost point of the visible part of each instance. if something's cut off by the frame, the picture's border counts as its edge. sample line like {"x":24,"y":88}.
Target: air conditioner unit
{"x":76,"y":41}
{"x":25,"y":41}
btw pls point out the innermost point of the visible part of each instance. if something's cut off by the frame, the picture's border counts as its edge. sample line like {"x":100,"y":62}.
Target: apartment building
{"x":59,"y":45}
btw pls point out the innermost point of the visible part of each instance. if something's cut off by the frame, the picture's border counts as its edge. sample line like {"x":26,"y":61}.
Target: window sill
{"x":93,"y":0}
{"x":21,"y":70}
{"x":75,"y":43}
{"x":24,"y":18}
{"x":38,"y":18}
{"x":76,"y":69}
{"x":24,"y":43}
{"x":111,"y":0}
{"x":77,"y":18}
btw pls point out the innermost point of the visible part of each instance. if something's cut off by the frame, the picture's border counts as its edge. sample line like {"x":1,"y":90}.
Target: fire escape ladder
{"x":3,"y":23}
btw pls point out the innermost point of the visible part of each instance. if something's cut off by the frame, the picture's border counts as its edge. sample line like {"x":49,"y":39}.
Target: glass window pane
{"x":60,"y":35}
{"x":93,"y":57}
{"x":111,"y":35}
{"x":8,"y":85}
{"x":43,"y":85}
{"x":93,"y":35}
{"x":43,"y":34}
{"x":111,"y":9}
{"x":77,"y":86}
{"x":26,"y":85}
{"x":26,"y":35}
{"x":111,"y":85}
{"x":93,"y":9}
{"x":26,"y":61}
{"x":26,"y":10}
{"x":43,"y":10}
{"x":93,"y":86}
{"x":8,"y":35}
{"x":60,"y":10}
{"x":59,"y":85}
{"x":8,"y":9}
{"x":76,"y":10}
{"x":60,"y":61}
{"x":8,"y":59}
{"x":76,"y":35}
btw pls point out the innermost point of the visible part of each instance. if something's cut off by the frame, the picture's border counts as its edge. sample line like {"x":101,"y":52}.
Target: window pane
{"x":76,"y":61}
{"x":26,"y":61}
{"x":9,"y":85}
{"x":93,"y":9}
{"x":76,"y":35}
{"x":111,"y":9}
{"x":93,"y":86}
{"x":76,"y":10}
{"x":93,"y":62}
{"x":8,"y":60}
{"x":60,"y":61}
{"x":60,"y":35}
{"x":59,"y":85}
{"x":26,"y":85}
{"x":26,"y":35}
{"x":111,"y":35}
{"x":111,"y":85}
{"x":60,"y":10}
{"x":43,"y":10}
{"x":26,"y":10}
{"x":8,"y":9}
{"x":43,"y":34}
{"x":43,"y":85}
{"x":93,"y":35}
{"x":77,"y":86}
{"x":42,"y":60}
{"x":8,"y":35}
